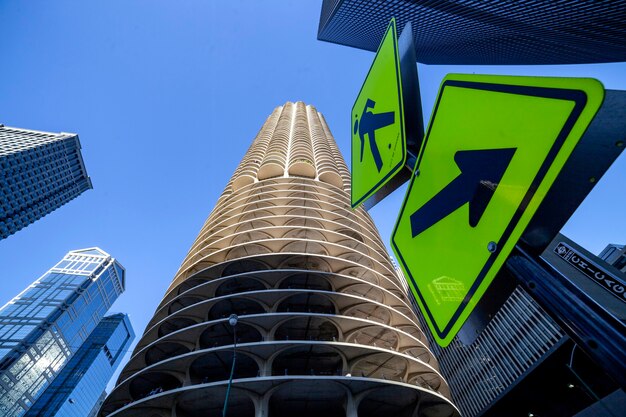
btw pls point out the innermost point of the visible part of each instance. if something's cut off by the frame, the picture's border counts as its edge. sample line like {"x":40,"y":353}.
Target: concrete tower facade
{"x":324,"y":323}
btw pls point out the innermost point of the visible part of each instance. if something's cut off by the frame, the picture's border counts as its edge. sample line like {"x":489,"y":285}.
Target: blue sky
{"x":166,"y":97}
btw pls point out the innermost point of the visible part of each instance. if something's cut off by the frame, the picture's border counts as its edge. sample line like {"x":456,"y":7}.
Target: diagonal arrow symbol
{"x":481,"y":172}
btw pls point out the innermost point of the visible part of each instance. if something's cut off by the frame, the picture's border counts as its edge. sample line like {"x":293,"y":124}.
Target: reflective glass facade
{"x":487,"y":32}
{"x":46,"y":324}
{"x":40,"y":172}
{"x":78,"y":390}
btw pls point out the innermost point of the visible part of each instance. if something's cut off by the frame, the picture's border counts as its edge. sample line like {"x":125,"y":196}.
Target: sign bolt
{"x":492,"y":247}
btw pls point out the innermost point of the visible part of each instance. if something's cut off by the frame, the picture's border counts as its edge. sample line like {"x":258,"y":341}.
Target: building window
{"x":620,"y":263}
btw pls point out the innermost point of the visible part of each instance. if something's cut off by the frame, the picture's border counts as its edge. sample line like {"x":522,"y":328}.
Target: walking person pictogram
{"x":368,"y":124}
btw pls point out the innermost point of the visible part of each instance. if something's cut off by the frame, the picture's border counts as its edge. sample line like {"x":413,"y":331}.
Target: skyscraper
{"x":615,"y":255}
{"x":40,"y":172}
{"x":324,"y":324}
{"x":76,"y":391}
{"x":489,"y":32}
{"x":46,"y":325}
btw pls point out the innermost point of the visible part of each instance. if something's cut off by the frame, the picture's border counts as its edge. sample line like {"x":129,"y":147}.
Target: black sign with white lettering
{"x":607,"y":281}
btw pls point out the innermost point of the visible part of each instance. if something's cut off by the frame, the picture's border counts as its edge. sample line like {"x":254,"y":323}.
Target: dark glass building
{"x":78,"y":390}
{"x":489,"y":32}
{"x":39,"y":172}
{"x":43,"y":327}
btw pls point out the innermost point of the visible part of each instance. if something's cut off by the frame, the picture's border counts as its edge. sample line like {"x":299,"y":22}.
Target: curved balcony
{"x":258,"y":191}
{"x":273,"y":164}
{"x":301,"y":157}
{"x":246,"y":173}
{"x":389,"y":310}
{"x":212,"y":283}
{"x":278,"y":358}
{"x":269,"y":197}
{"x":286,"y":395}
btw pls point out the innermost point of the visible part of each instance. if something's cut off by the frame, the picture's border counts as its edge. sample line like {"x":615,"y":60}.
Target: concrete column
{"x":262,"y":405}
{"x":416,"y":411}
{"x":351,"y":406}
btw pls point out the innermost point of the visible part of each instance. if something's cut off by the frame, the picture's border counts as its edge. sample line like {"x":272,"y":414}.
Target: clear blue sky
{"x":167,"y":96}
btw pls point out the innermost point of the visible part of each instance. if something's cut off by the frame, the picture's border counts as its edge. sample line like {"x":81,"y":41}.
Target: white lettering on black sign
{"x":607,"y":281}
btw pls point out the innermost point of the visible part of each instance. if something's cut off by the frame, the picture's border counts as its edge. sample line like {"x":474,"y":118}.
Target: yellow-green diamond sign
{"x":493,"y":149}
{"x":378,"y":143}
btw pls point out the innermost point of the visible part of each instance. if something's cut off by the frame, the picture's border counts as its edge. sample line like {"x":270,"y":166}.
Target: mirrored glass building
{"x":47,"y":324}
{"x":324,"y":323}
{"x":39,"y":172}
{"x":77,"y":391}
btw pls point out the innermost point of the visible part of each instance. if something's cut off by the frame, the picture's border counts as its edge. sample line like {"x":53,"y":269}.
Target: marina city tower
{"x":323,"y":325}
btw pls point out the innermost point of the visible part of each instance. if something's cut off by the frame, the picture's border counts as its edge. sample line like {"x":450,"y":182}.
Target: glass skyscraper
{"x":78,"y":390}
{"x":48,"y":323}
{"x":39,"y":172}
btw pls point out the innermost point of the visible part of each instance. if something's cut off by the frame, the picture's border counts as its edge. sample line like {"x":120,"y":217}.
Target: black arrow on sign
{"x":481,"y":172}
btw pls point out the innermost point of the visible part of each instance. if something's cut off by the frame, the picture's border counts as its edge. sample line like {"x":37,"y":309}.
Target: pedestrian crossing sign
{"x":377,"y":124}
{"x":495,"y":149}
